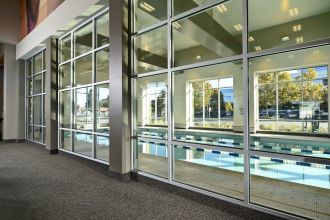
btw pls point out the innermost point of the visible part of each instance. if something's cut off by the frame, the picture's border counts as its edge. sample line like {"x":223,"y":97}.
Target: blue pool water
{"x":306,"y":148}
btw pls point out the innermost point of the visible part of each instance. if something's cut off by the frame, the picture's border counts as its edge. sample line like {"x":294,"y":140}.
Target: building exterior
{"x":228,"y":98}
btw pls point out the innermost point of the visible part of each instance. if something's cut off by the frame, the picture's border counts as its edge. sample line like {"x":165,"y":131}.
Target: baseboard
{"x":9,"y":140}
{"x":13,"y":140}
{"x":52,"y":151}
{"x":123,"y":177}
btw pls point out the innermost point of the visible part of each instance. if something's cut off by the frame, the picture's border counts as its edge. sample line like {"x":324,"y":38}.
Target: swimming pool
{"x":317,"y":175}
{"x":285,"y":145}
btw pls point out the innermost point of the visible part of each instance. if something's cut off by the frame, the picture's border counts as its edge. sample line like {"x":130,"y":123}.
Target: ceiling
{"x":280,"y":11}
{"x":215,"y":33}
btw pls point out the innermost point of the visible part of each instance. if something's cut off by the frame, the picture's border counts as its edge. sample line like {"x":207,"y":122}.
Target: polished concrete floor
{"x":36,"y":185}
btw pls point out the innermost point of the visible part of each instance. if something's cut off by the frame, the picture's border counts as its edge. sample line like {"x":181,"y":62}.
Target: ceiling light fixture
{"x":299,"y":40}
{"x":251,"y":39}
{"x":296,"y":28}
{"x":268,"y":59}
{"x":147,"y":7}
{"x":238,"y":27}
{"x":294,"y":12}
{"x":176,"y":25}
{"x":257,"y":48}
{"x":222,"y":8}
{"x":316,"y":52}
{"x":198,"y":57}
{"x":291,"y":56}
{"x":285,"y":38}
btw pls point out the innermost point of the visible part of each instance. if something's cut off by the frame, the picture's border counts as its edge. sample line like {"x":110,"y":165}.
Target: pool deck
{"x":291,"y":197}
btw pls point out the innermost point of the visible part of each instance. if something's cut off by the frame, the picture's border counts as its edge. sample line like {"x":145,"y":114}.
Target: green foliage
{"x":290,"y":91}
{"x":228,"y":106}
{"x":198,"y":93}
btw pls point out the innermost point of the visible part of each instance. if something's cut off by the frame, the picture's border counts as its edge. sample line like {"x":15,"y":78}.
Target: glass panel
{"x":38,"y":63}
{"x":83,"y":39}
{"x":102,"y":30}
{"x":207,"y":104}
{"x":291,"y":92}
{"x":151,"y":106}
{"x":29,"y":86}
{"x":152,"y":158}
{"x":44,"y":135}
{"x":305,"y":146}
{"x":44,"y":82}
{"x":83,"y":144}
{"x":220,"y":172}
{"x":102,"y":108}
{"x":37,"y":110}
{"x":65,"y":109}
{"x":83,"y":70}
{"x":208,"y":35}
{"x":30,"y":132}
{"x":37,"y":86}
{"x":282,"y":23}
{"x":37,"y":134}
{"x":30,"y":67}
{"x":150,"y":51}
{"x":149,"y":12}
{"x":44,"y":60}
{"x":65,"y":48}
{"x":297,"y":187}
{"x":102,"y":65}
{"x":65,"y":76}
{"x":83,"y":109}
{"x":182,"y":6}
{"x":102,"y":148}
{"x":65,"y":140}
{"x":43,"y":110}
{"x":29,"y":111}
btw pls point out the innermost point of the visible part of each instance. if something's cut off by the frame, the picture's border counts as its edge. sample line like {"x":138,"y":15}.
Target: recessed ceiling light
{"x":299,"y":40}
{"x":257,"y":48}
{"x":198,"y":57}
{"x":177,"y":25}
{"x":296,"y":28}
{"x":147,"y":7}
{"x":291,"y":56}
{"x":238,"y":27}
{"x":286,"y":38}
{"x":222,"y":8}
{"x":293,"y":12}
{"x":251,"y":39}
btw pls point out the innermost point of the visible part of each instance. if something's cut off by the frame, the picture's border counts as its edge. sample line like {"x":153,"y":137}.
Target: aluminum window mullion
{"x":170,"y":115}
{"x":93,"y":88}
{"x":246,"y":128}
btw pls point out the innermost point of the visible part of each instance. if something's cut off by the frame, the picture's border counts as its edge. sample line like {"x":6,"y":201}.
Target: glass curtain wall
{"x":35,"y":98}
{"x":231,"y":98}
{"x":84,"y":89}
